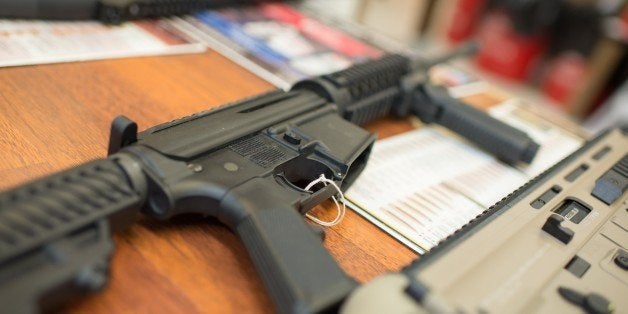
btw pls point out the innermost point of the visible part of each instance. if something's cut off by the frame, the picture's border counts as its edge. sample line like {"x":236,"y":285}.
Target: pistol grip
{"x":296,"y":269}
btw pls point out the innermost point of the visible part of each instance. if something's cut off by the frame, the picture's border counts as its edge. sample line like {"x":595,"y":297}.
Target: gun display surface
{"x":245,"y":163}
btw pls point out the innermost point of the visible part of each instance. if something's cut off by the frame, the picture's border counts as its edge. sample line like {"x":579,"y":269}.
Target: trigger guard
{"x":308,"y":199}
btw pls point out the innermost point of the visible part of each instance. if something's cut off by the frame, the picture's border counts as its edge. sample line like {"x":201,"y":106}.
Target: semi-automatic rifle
{"x":110,"y":11}
{"x":247,"y":164}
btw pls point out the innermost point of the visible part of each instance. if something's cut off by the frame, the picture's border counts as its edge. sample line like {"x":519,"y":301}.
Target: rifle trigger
{"x":123,"y":133}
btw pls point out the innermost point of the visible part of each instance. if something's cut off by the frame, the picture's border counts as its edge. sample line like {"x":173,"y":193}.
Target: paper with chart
{"x":27,"y":42}
{"x":423,"y":185}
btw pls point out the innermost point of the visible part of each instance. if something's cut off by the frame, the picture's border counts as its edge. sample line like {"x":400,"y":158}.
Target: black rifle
{"x":247,"y":164}
{"x":109,"y":11}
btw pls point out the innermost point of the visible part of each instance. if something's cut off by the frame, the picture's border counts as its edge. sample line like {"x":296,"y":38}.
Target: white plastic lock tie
{"x":341,"y":209}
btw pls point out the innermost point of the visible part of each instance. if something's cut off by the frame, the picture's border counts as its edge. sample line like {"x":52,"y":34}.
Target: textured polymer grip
{"x":365,"y":91}
{"x":47,"y":209}
{"x":299,"y":274}
{"x":55,"y":240}
{"x":501,"y":140}
{"x":365,"y":79}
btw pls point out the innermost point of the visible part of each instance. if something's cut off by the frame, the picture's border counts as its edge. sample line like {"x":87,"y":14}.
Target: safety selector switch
{"x":553,"y":227}
{"x":613,"y":183}
{"x":621,"y":259}
{"x":592,"y":303}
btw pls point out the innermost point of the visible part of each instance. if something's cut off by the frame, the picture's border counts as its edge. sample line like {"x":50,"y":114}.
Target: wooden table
{"x":56,"y":116}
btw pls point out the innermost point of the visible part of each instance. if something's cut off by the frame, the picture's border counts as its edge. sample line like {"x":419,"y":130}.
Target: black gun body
{"x":246,"y":163}
{"x":371,"y":90}
{"x":109,"y":11}
{"x":292,"y":137}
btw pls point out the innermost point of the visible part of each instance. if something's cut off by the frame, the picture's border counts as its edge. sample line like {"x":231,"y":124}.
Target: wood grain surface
{"x":56,"y":116}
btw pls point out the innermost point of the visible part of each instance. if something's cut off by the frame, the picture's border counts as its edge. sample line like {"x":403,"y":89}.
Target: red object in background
{"x":320,"y":32}
{"x":565,"y":74}
{"x":465,"y":19}
{"x":505,"y":52}
{"x":622,"y":25}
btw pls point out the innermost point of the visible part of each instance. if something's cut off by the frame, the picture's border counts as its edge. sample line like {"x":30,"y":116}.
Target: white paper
{"x":426,"y":184}
{"x":27,"y":42}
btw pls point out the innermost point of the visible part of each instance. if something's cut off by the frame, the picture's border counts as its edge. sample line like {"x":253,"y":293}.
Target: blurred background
{"x":567,"y":54}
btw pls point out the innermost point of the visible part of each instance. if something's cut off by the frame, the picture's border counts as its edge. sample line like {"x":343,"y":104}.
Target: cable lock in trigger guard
{"x":341,"y":209}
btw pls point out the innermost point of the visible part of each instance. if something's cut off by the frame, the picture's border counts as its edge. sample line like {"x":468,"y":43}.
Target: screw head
{"x":231,"y":166}
{"x":195,"y":167}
